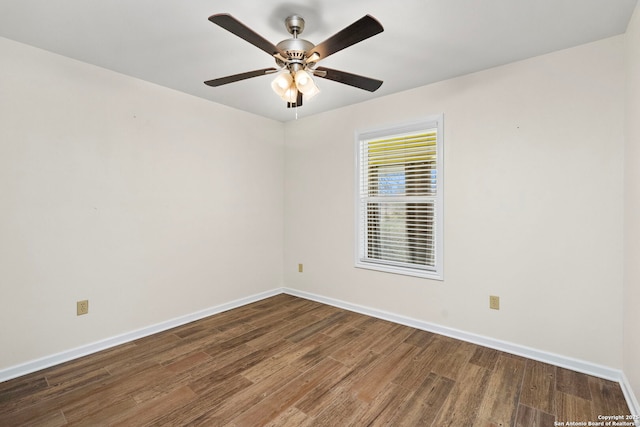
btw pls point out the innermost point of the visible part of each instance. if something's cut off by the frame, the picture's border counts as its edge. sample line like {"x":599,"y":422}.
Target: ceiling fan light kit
{"x":297,"y":58}
{"x":287,"y":85}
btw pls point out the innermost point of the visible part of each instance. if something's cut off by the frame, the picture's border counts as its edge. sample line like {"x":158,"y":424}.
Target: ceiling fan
{"x":298,"y":58}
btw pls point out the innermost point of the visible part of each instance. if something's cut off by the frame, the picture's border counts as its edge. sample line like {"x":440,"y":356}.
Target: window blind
{"x":398,"y":200}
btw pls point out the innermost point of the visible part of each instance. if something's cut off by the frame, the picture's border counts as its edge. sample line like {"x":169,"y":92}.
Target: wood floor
{"x":286,"y":361}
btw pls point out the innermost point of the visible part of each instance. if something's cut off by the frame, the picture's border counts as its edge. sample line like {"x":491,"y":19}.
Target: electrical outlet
{"x":494,"y":302}
{"x":82,"y":307}
{"x":300,"y":268}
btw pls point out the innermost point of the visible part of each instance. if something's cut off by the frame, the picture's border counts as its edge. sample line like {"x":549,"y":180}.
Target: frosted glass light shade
{"x":305,"y":83}
{"x":282,"y":83}
{"x":290,"y":94}
{"x":311,"y":93}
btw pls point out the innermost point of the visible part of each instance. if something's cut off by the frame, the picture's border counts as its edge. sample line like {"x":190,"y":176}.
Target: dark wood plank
{"x":572,"y":408}
{"x":500,"y":402}
{"x":397,"y":335}
{"x":381,"y":374}
{"x":112,"y":397}
{"x":34,"y":415}
{"x":539,"y":386}
{"x":235,"y":340}
{"x":316,"y":327}
{"x":606,"y":398}
{"x":202,"y":410}
{"x":272,"y":406}
{"x":292,"y":417}
{"x":237,"y":366}
{"x":419,"y":338}
{"x":284,"y":358}
{"x":161,"y":387}
{"x":349,"y":321}
{"x":422,"y":408}
{"x":485,"y":357}
{"x":343,"y":408}
{"x":189,"y":362}
{"x":315,"y":401}
{"x":373,"y":335}
{"x":326,"y":348}
{"x":463,"y":403}
{"x":96,"y":414}
{"x":386,"y":405}
{"x":454,"y":355}
{"x":422,"y":364}
{"x":252,"y":395}
{"x":17,"y":390}
{"x":573,"y":383}
{"x":530,"y":417}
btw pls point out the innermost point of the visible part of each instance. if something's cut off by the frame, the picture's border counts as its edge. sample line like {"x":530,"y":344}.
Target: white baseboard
{"x":520,"y":350}
{"x":634,"y":406}
{"x":65,"y":356}
{"x":531,"y":353}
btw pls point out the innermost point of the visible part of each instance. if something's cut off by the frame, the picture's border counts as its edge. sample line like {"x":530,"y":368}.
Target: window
{"x":399,"y":199}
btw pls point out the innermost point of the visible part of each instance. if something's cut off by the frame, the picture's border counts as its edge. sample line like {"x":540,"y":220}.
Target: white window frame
{"x":361,"y":260}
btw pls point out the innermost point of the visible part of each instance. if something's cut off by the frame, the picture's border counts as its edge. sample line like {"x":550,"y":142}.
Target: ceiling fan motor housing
{"x":295,"y":49}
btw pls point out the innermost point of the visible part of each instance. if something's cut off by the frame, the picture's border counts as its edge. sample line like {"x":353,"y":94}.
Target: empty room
{"x":299,"y":213}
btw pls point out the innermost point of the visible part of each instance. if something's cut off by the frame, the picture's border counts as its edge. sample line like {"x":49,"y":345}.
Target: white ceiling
{"x":171,"y":42}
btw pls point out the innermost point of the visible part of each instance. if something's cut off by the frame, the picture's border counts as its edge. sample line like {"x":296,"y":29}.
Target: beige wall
{"x":141,"y":199}
{"x":150,"y":203}
{"x":533,"y":203}
{"x":632,"y":207}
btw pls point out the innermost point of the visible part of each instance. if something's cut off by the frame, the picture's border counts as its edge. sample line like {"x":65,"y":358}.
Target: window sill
{"x":400,"y":270}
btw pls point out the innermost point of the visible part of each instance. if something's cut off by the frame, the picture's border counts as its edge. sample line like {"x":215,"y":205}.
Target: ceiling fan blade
{"x":242,"y":76}
{"x":354,"y":80}
{"x":360,"y":30}
{"x":236,"y":27}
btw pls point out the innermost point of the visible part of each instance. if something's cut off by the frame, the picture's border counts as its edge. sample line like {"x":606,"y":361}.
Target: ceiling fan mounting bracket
{"x":294,"y":24}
